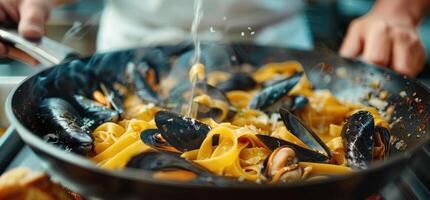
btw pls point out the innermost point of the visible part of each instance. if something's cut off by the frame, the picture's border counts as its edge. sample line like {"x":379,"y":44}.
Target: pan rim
{"x":144,"y":176}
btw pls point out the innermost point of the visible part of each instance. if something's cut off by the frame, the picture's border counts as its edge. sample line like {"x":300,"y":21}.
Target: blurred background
{"x":76,"y":23}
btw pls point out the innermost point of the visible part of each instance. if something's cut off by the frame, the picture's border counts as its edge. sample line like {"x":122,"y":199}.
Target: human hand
{"x":386,"y":38}
{"x":30,"y":15}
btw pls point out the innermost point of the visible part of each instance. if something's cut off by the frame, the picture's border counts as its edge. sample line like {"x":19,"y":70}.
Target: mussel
{"x":139,"y":80}
{"x":95,"y":111}
{"x":385,"y":137}
{"x":291,"y":103}
{"x":269,"y":95}
{"x":294,"y":103}
{"x":238,"y":81}
{"x":204,"y":111}
{"x":159,"y":162}
{"x":180,"y":133}
{"x":59,"y":115}
{"x":303,"y":132}
{"x":115,"y":98}
{"x":302,"y":154}
{"x":153,"y":138}
{"x":358,"y":134}
{"x":282,"y":166}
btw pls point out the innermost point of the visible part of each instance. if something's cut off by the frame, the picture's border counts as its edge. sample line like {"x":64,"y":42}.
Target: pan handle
{"x":44,"y":51}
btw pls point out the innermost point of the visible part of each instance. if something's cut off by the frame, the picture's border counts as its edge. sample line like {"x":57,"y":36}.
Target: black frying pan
{"x":82,"y":176}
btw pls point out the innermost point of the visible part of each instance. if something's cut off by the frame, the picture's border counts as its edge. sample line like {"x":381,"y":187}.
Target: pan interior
{"x":409,"y":98}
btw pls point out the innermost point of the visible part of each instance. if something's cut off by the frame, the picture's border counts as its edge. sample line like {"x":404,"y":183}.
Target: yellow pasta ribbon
{"x":239,"y":99}
{"x":283,"y":133}
{"x":213,"y":78}
{"x":126,"y":140}
{"x":325,"y":169}
{"x":335,"y":144}
{"x":121,"y":158}
{"x":252,"y":117}
{"x":269,"y":70}
{"x":218,"y":158}
{"x":335,"y":130}
{"x":236,"y":170}
{"x":105,"y":135}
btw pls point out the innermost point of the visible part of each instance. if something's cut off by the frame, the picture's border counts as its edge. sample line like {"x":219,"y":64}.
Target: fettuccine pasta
{"x":233,"y":146}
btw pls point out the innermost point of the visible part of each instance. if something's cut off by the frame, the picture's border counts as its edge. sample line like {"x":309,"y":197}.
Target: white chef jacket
{"x":133,"y":23}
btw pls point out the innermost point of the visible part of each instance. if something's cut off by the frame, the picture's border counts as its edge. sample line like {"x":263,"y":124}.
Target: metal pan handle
{"x":44,"y":51}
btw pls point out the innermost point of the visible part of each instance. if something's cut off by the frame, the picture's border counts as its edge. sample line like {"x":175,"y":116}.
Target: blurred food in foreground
{"x":22,"y":183}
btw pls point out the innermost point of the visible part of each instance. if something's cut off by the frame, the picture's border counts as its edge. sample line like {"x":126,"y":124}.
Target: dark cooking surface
{"x":346,"y":88}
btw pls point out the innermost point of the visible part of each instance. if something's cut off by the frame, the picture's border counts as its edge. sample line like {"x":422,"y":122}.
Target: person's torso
{"x":217,"y":13}
{"x":129,"y":23}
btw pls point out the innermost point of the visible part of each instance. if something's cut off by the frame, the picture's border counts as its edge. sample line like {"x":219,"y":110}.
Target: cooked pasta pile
{"x":238,"y":152}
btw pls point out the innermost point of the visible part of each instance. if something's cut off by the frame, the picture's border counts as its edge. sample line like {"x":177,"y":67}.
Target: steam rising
{"x":80,"y":29}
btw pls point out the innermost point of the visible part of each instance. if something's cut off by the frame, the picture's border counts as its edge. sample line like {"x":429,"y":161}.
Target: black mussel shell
{"x":303,"y":132}
{"x":358,"y":138}
{"x":140,"y":83}
{"x":302,"y":154}
{"x":212,"y":91}
{"x":53,"y":138}
{"x":153,"y":138}
{"x":161,"y":161}
{"x":204,"y":111}
{"x":181,"y":132}
{"x":95,"y":111}
{"x":63,"y":120}
{"x":238,"y":81}
{"x":115,"y":97}
{"x":385,"y":136}
{"x":271,"y":94}
{"x":299,"y":102}
{"x":154,"y":161}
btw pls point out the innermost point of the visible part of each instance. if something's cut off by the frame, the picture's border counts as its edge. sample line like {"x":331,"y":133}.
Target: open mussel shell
{"x":155,"y":160}
{"x":302,"y":154}
{"x":95,"y":111}
{"x":385,"y":135}
{"x":358,"y":136}
{"x":165,"y":161}
{"x":204,"y":111}
{"x":304,"y":133}
{"x":282,"y":166}
{"x":154,"y":139}
{"x":212,"y":91}
{"x":181,"y":132}
{"x":138,"y":80}
{"x":271,"y":94}
{"x":115,"y":97}
{"x":59,"y":115}
{"x":238,"y":81}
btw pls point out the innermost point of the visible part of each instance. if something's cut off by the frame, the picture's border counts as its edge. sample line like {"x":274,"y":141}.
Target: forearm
{"x":412,"y":10}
